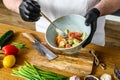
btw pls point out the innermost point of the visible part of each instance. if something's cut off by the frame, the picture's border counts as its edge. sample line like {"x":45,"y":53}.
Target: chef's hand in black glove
{"x":29,"y":10}
{"x":91,"y":16}
{"x":91,"y":19}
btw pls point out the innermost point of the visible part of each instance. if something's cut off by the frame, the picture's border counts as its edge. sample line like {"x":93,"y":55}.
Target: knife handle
{"x":29,"y":36}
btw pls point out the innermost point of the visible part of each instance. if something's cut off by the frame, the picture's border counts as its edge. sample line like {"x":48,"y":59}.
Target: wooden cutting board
{"x":80,"y":64}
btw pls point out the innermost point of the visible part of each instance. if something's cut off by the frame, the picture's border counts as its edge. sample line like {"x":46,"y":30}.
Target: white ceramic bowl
{"x":90,"y":76}
{"x":73,"y":22}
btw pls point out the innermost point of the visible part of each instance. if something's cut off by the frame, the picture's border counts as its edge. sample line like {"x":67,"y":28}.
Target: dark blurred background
{"x":117,"y":13}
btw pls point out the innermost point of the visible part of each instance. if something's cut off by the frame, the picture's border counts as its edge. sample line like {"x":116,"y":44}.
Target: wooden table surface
{"x":106,"y":55}
{"x":112,"y":28}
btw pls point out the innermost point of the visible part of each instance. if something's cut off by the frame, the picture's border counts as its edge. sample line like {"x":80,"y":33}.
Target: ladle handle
{"x":41,"y":13}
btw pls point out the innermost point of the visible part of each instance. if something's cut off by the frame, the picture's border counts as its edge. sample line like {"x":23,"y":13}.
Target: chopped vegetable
{"x":67,"y":46}
{"x":74,"y":38}
{"x":5,"y":38}
{"x":66,"y":31}
{"x":78,"y":34}
{"x":62,"y":43}
{"x":75,"y":41}
{"x":71,"y":35}
{"x":9,"y":61}
{"x":70,"y":41}
{"x":74,"y":45}
{"x":10,"y":50}
{"x":30,"y":72}
{"x":59,"y":38}
{"x":84,"y":36}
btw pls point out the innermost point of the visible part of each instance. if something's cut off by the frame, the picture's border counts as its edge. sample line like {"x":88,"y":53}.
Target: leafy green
{"x":30,"y":72}
{"x":19,"y":45}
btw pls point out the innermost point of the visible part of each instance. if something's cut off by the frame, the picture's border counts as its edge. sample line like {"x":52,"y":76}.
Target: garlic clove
{"x":105,"y":76}
{"x":74,"y":78}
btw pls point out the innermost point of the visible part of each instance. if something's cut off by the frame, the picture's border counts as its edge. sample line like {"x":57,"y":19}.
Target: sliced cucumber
{"x":84,"y":35}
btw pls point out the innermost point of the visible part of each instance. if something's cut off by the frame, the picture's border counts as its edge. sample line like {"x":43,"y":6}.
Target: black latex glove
{"x":91,"y":19}
{"x":91,"y":16}
{"x":29,"y":10}
{"x":88,"y":40}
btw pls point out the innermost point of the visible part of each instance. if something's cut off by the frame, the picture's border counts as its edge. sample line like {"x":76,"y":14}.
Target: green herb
{"x":19,"y":45}
{"x":30,"y":72}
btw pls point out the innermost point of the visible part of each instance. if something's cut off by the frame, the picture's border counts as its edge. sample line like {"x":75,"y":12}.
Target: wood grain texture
{"x":79,"y":64}
{"x":107,"y":55}
{"x":112,"y":31}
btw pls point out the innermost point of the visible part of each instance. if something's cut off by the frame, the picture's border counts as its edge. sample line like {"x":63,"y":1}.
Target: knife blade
{"x":40,"y":47}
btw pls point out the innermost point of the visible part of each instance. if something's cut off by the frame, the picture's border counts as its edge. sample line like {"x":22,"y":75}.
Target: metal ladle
{"x":59,"y":31}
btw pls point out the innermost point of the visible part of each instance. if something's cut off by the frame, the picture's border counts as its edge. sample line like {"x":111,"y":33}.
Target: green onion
{"x":30,"y":72}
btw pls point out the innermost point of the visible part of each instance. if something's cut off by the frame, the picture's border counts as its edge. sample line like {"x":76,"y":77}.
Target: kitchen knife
{"x":41,"y":48}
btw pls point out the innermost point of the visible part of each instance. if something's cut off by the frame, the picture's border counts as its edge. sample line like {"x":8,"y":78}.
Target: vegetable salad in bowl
{"x":73,"y":39}
{"x":74,"y":26}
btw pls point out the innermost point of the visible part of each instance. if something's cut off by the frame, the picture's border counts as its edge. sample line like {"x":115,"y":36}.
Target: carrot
{"x":73,"y":39}
{"x":59,"y":39}
{"x":62,"y":43}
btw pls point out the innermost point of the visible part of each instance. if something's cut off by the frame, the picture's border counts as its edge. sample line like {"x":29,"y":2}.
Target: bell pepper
{"x":10,"y":50}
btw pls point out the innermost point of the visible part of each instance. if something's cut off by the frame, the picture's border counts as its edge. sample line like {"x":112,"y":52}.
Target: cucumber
{"x":84,"y":35}
{"x":5,"y":38}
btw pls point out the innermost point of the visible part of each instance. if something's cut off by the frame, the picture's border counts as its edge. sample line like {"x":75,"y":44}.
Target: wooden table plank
{"x":108,"y":55}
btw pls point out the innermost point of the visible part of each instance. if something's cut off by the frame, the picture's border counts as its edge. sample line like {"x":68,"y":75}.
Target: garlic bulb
{"x":105,"y":76}
{"x":74,"y":78}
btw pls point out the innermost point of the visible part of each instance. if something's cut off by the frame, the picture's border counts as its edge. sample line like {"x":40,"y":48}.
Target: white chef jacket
{"x":54,"y":9}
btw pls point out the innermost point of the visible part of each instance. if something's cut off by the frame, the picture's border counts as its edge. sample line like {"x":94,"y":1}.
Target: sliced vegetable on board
{"x":6,"y":37}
